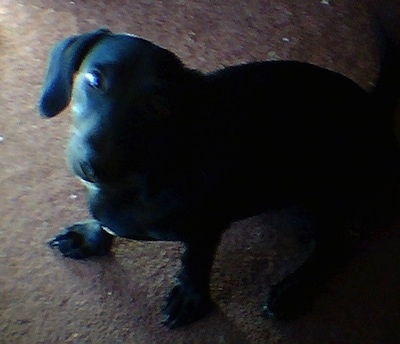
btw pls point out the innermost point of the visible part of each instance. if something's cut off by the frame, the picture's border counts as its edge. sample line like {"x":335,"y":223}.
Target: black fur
{"x":168,"y":153}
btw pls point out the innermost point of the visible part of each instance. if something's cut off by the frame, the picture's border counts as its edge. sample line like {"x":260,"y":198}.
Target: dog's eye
{"x":94,"y":79}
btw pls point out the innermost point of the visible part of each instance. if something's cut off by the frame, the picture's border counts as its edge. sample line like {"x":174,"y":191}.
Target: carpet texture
{"x":45,"y":298}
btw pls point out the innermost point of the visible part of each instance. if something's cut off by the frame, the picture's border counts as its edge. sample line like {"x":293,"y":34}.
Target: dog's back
{"x":288,"y":132}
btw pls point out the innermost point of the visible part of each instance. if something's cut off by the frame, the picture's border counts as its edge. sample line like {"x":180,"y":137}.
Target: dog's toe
{"x":70,"y":244}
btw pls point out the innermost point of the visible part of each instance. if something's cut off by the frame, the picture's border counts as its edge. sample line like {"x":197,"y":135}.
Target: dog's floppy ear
{"x":65,"y":59}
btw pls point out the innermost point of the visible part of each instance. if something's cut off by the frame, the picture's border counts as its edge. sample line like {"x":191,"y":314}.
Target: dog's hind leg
{"x":295,"y":294}
{"x":82,"y":240}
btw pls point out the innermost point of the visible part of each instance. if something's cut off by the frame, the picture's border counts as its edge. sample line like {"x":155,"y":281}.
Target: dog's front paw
{"x":82,"y":240}
{"x":289,"y":299}
{"x":185,"y":305}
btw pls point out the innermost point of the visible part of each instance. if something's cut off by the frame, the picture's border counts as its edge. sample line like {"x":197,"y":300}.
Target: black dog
{"x":169,"y":153}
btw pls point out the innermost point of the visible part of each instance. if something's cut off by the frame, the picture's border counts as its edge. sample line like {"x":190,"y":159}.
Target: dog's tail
{"x":386,"y":94}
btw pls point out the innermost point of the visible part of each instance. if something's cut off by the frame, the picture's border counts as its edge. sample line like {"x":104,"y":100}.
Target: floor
{"x":45,"y":298}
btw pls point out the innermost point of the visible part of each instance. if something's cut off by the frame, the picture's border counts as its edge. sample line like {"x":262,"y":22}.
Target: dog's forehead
{"x":119,"y":47}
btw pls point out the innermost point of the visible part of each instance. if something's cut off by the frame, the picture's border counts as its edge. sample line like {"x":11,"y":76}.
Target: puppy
{"x":169,"y":153}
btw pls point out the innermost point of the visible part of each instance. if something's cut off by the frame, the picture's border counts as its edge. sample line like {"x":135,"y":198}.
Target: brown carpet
{"x":45,"y":298}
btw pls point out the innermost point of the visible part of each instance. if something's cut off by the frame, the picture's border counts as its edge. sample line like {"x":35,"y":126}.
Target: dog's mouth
{"x":95,"y":174}
{"x":86,"y":172}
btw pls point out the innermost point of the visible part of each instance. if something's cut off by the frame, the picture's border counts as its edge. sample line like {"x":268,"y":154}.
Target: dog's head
{"x":124,"y":93}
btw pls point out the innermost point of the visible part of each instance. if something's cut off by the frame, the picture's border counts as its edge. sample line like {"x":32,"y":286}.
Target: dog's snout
{"x":91,"y":156}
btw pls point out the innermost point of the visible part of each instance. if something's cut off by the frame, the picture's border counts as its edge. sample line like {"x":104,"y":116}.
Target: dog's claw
{"x":53,"y":242}
{"x":185,"y":306}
